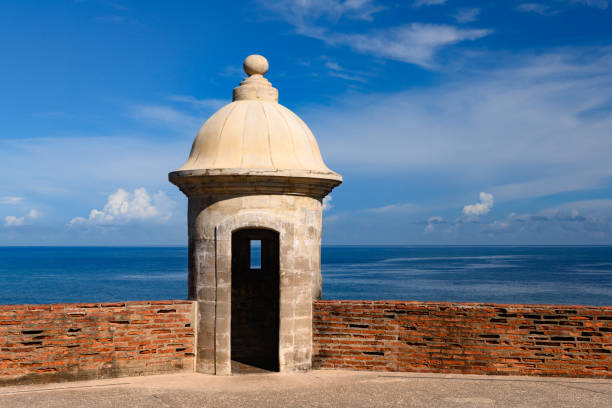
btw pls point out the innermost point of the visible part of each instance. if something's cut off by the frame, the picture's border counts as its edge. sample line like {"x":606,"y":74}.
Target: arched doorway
{"x":255,"y":298}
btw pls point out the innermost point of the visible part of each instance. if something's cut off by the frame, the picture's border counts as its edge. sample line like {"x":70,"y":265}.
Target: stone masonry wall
{"x":64,"y":342}
{"x":570,"y":341}
{"x":212,"y":221}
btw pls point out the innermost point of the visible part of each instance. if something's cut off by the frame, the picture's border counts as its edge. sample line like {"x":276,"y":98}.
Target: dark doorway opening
{"x":255,"y":299}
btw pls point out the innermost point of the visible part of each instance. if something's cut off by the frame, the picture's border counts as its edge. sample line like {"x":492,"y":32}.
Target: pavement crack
{"x":62,"y":388}
{"x":161,"y":401}
{"x":525,"y":379}
{"x":584,"y":389}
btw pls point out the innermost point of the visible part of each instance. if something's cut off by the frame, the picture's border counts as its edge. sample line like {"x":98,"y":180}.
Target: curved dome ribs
{"x":268,"y":138}
{"x":254,"y":134}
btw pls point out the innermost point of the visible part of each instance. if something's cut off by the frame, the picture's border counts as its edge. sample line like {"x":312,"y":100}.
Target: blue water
{"x":553,"y":275}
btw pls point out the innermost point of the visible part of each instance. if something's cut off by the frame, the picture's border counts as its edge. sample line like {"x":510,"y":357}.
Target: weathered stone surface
{"x":254,"y":165}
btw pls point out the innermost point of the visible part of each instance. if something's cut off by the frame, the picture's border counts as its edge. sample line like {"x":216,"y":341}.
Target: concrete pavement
{"x":315,"y":389}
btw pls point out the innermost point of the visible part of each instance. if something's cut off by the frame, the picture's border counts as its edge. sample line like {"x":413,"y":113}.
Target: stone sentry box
{"x":254,"y":173}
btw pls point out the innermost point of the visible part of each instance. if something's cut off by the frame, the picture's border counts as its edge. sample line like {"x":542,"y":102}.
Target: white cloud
{"x":559,"y":6}
{"x":420,"y":3}
{"x":10,"y":200}
{"x":210,"y":103}
{"x":123,"y":206}
{"x":394,"y":208}
{"x":481,"y":208}
{"x":102,"y":161}
{"x":539,"y":8}
{"x":33,"y":214}
{"x":602,"y":4}
{"x":467,"y":15}
{"x":12,"y":221}
{"x":302,"y":14}
{"x":564,"y":223}
{"x":170,"y":117}
{"x":333,"y":65}
{"x":414,"y":43}
{"x":602,"y":206}
{"x":335,"y":70}
{"x":327,"y":205}
{"x":498,"y":225}
{"x":550,"y":134}
{"x":432,"y":222}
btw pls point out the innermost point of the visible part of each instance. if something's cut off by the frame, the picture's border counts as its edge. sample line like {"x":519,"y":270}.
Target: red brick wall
{"x":574,"y":341}
{"x":62,"y":342}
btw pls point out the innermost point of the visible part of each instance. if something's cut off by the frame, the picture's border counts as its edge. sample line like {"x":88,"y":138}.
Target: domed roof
{"x":255,"y":135}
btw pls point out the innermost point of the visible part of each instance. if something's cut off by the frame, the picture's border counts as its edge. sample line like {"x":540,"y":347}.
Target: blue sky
{"x":452,"y":122}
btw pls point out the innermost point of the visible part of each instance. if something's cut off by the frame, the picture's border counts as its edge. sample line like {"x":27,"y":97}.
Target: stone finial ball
{"x":255,"y":64}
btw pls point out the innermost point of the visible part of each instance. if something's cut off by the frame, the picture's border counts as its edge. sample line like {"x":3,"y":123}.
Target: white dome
{"x":256,"y":135}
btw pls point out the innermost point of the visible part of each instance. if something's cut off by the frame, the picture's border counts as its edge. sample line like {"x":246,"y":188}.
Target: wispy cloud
{"x":414,"y":43}
{"x":539,"y":8}
{"x":10,"y":200}
{"x":210,"y":103}
{"x":421,"y":3}
{"x":335,"y":70}
{"x":34,"y":214}
{"x":485,"y":127}
{"x":170,"y":117}
{"x":602,"y":4}
{"x":468,"y":15}
{"x":101,"y":162}
{"x":551,"y":8}
{"x":572,"y":222}
{"x":114,"y":19}
{"x":432,"y":222}
{"x":394,"y":208}
{"x":303,"y":14}
{"x":564,"y":222}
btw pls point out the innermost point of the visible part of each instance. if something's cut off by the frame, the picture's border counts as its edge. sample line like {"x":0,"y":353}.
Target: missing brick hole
{"x":31,"y":343}
{"x":46,"y":370}
{"x":188,"y":325}
{"x":374,"y":353}
{"x":166,"y":311}
{"x":74,"y":330}
{"x":31,"y":331}
{"x":359,"y":326}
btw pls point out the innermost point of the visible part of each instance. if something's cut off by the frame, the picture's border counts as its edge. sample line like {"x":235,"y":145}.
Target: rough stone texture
{"x":67,"y":342}
{"x":254,"y":164}
{"x":212,"y":219}
{"x":547,"y":340}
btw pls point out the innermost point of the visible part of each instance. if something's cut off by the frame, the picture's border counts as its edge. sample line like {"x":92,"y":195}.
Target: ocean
{"x":500,"y":274}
